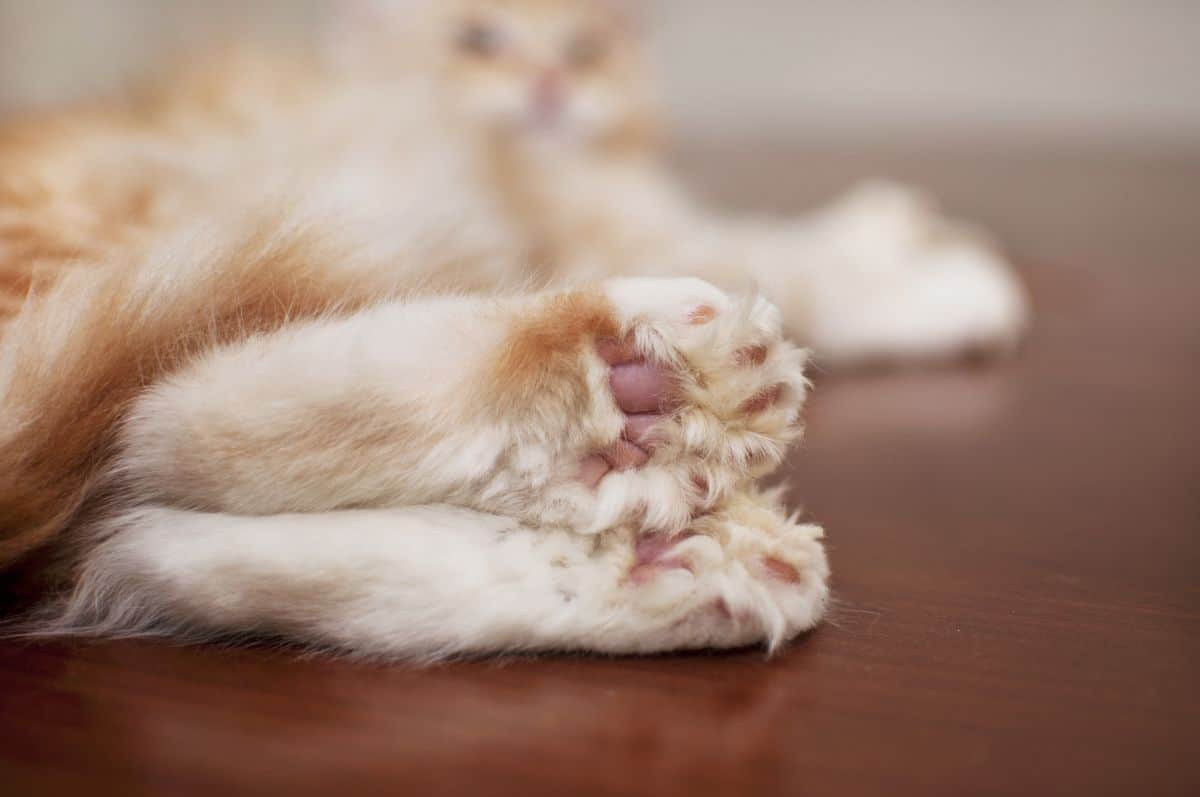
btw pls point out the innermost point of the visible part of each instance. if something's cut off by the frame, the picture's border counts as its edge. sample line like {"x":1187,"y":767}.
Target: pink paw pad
{"x":645,"y":392}
{"x":653,"y":556}
{"x":781,"y":570}
{"x":642,"y":387}
{"x":701,"y":315}
{"x":763,"y":401}
{"x":752,"y":356}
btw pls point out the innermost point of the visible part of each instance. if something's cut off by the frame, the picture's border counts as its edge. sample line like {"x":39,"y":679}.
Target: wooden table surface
{"x":1015,"y":550}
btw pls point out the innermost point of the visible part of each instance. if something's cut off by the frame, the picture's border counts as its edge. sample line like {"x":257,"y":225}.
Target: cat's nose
{"x":549,"y":93}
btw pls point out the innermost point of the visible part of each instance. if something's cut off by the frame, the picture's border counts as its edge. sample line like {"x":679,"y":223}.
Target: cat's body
{"x":277,"y":366}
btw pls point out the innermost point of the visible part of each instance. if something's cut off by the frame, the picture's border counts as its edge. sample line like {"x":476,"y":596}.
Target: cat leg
{"x":880,"y":275}
{"x":634,"y":401}
{"x":429,"y":582}
{"x":883,"y":275}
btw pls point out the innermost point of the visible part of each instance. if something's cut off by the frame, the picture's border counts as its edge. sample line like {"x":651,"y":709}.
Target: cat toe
{"x":745,"y":573}
{"x":694,"y":394}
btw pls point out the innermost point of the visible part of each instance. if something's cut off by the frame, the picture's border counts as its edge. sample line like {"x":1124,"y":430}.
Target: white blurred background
{"x":1014,"y":111}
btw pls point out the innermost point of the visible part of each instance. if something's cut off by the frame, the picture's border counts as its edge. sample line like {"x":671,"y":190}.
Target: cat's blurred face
{"x":561,"y":69}
{"x":541,"y":67}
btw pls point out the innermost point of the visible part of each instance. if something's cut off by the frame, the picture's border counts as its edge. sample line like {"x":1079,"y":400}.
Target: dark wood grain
{"x":1016,"y":561}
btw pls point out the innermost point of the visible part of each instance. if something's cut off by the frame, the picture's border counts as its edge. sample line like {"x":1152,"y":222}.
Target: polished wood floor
{"x":1016,"y":548}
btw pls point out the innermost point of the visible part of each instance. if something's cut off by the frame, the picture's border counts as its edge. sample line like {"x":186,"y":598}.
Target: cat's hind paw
{"x":744,"y":574}
{"x":906,"y":283}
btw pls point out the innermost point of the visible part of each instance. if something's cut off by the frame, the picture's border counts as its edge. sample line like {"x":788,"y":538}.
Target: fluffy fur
{"x":346,"y":348}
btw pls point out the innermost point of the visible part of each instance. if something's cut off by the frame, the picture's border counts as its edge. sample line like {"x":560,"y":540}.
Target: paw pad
{"x":752,"y":356}
{"x":763,"y":401}
{"x":652,"y":555}
{"x":781,"y":570}
{"x":701,"y":315}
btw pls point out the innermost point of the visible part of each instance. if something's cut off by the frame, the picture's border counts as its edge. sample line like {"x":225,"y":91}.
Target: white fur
{"x":890,"y":279}
{"x":491,"y":544}
{"x":242,"y":429}
{"x":427,"y":582}
{"x":879,"y":275}
{"x":341,"y":482}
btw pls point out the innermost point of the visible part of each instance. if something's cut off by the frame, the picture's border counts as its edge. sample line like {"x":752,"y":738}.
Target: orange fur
{"x":86,"y":197}
{"x":79,"y":185}
{"x":85,"y":350}
{"x":544,"y":348}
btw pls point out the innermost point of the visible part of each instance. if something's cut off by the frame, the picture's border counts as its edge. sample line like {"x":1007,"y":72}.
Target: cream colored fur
{"x":337,"y":377}
{"x":247,"y":429}
{"x":432,"y":581}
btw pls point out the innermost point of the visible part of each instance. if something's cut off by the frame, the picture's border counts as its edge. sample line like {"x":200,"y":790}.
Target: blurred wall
{"x":1123,"y":72}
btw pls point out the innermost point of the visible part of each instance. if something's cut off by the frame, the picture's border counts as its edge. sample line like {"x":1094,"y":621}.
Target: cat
{"x":410,"y":347}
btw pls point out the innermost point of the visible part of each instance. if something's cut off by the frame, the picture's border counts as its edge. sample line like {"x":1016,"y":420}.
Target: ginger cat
{"x":403,"y":348}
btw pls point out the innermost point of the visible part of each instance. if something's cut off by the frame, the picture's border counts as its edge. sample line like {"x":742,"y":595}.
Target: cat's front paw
{"x":711,"y":395}
{"x":670,"y":398}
